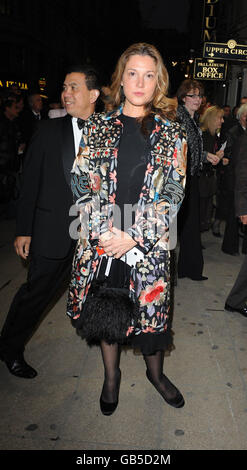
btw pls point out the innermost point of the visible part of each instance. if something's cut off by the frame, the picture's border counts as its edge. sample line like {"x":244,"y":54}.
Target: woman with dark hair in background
{"x":134,"y":155}
{"x":190,"y":260}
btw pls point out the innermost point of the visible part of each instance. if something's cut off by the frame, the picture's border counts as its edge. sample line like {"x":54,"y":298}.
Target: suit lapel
{"x":68,"y":147}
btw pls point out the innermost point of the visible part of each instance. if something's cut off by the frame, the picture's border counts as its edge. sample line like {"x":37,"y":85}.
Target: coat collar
{"x":160,"y":123}
{"x":117,"y":112}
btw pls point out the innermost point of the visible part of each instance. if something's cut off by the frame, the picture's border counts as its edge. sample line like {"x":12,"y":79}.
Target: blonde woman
{"x":210,"y":123}
{"x":133,"y":156}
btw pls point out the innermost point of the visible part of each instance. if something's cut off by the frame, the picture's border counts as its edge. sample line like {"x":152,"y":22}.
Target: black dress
{"x":132,"y":163}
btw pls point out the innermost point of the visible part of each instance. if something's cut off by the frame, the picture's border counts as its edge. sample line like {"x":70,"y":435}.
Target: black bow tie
{"x":80,"y":123}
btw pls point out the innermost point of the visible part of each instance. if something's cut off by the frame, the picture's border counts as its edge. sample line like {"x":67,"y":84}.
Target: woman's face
{"x":139,"y":82}
{"x":218,"y":121}
{"x":192,"y":101}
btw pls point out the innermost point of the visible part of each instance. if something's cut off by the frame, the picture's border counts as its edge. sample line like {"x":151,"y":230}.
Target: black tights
{"x":111,"y":358}
{"x":154,"y":363}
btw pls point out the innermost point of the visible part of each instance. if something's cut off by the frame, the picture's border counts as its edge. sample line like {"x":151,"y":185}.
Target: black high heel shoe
{"x":108,"y":408}
{"x":177,"y":401}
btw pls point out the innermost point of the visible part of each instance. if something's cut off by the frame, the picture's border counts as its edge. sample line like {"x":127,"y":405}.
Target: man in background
{"x":237,"y":299}
{"x":42,"y":228}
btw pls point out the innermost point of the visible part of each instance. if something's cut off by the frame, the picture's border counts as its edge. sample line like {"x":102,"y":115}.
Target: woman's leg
{"x":162,"y":384}
{"x":111,"y":359}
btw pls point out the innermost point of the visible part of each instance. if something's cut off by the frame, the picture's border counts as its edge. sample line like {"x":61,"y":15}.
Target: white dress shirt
{"x":77,"y":134}
{"x":37,"y":115}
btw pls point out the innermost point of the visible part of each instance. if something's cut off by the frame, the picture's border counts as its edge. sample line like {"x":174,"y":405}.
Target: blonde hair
{"x":207,"y":119}
{"x":160,"y":104}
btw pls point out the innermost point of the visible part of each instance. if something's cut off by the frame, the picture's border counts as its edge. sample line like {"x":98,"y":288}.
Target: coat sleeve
{"x":241,"y":176}
{"x":93,"y":217}
{"x":82,"y":194}
{"x":156,"y":222}
{"x":30,"y":184}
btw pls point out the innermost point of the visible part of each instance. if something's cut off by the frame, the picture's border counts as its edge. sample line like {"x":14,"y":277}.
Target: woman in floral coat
{"x":133,"y":155}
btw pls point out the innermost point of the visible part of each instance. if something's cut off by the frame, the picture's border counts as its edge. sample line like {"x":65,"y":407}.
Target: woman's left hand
{"x":220,"y":154}
{"x":116,"y":243}
{"x":212,"y":158}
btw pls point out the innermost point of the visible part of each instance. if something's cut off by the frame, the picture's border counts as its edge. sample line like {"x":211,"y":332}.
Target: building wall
{"x":232,"y":24}
{"x":38,"y":39}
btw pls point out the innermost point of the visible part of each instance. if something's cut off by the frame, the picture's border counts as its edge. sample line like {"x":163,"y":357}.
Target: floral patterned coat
{"x":94,"y":184}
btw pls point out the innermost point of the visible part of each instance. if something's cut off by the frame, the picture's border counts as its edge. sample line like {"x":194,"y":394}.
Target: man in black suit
{"x":237,"y":299}
{"x":230,"y":242}
{"x":42,"y":229}
{"x":30,"y":116}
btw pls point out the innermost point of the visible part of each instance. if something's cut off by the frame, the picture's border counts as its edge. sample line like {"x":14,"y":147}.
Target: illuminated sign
{"x":10,"y":83}
{"x":210,"y":20}
{"x":42,"y":84}
{"x":229,"y":51}
{"x":209,"y":69}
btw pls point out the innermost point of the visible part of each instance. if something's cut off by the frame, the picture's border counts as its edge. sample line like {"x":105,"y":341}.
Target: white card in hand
{"x":133,"y":256}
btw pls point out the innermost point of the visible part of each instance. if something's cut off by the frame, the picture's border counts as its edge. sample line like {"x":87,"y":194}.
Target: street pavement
{"x":59,"y":409}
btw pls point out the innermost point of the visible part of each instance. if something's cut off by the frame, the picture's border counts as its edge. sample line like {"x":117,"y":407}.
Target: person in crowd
{"x":10,"y":146}
{"x":230,"y":243}
{"x":43,"y":220}
{"x":57,"y":109}
{"x":31,"y":115}
{"x":237,"y":298}
{"x":229,"y":121}
{"x":133,"y":155}
{"x":190,"y":259}
{"x":20,"y":102}
{"x":227,"y":111}
{"x":210,"y":123}
{"x":243,"y":100}
{"x":36,"y":105}
{"x":205,"y":104}
{"x":234,"y":114}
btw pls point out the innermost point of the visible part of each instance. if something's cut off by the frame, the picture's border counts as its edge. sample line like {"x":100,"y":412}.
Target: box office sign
{"x":229,"y":51}
{"x":210,"y":69}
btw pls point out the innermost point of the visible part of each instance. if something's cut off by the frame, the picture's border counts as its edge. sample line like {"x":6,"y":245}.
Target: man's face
{"x":227,"y":111}
{"x":77,"y":99}
{"x":12,"y":111}
{"x":37,"y":103}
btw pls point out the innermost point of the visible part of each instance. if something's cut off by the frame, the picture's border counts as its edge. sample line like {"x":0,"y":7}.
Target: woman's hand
{"x":220,"y":154}
{"x":212,"y":158}
{"x":116,"y":243}
{"x":243,"y":219}
{"x":225,"y":161}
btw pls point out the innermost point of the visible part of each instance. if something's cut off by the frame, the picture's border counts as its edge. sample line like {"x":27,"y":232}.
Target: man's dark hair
{"x":7,"y":99}
{"x":91,"y":74}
